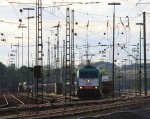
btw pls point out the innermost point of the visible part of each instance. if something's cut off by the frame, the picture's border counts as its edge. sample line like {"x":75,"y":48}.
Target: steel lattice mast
{"x":38,"y":69}
{"x":68,"y":61}
{"x":72,"y":50}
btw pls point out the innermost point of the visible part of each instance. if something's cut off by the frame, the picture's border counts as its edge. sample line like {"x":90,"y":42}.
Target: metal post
{"x":18,"y":53}
{"x":114,"y":4}
{"x":122,"y":77}
{"x":18,"y":49}
{"x":125,"y":75}
{"x":57,"y":56}
{"x":129,"y":82}
{"x":145,"y":66}
{"x":28,"y":48}
{"x":140,"y":56}
{"x":48,"y":64}
{"x":22,"y":26}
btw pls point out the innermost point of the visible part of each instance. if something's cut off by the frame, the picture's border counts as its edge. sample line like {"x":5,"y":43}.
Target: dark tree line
{"x":10,"y":77}
{"x":3,"y":70}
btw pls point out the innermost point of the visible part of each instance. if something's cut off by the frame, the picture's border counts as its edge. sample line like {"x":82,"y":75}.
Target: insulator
{"x":21,"y":10}
{"x":20,"y":20}
{"x":75,"y":34}
{"x":76,"y":23}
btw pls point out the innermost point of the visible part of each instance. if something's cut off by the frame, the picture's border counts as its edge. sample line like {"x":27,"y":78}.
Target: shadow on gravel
{"x":116,"y":115}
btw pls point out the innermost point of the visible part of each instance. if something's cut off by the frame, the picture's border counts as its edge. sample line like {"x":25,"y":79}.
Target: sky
{"x":97,"y":14}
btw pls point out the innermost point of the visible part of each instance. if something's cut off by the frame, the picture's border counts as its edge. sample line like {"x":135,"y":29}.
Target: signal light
{"x":37,"y":71}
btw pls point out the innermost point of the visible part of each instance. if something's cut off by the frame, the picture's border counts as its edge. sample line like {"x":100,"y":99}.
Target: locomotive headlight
{"x":80,"y":87}
{"x":95,"y":87}
{"x":88,"y":80}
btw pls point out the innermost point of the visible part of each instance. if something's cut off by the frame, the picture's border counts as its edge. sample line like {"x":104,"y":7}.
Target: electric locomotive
{"x":88,"y":82}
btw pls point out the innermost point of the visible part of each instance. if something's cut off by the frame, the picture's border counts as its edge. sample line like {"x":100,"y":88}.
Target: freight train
{"x":89,"y":82}
{"x":106,"y":85}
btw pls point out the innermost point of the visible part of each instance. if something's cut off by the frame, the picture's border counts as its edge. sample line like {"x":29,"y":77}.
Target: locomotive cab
{"x":88,"y":82}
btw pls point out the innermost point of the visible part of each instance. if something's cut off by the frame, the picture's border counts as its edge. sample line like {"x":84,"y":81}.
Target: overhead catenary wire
{"x":98,"y":35}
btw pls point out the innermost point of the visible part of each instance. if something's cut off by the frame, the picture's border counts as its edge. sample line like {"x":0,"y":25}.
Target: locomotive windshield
{"x":88,"y":74}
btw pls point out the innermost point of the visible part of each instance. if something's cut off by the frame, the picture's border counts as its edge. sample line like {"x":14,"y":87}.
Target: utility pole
{"x":129,"y":75}
{"x":122,"y":77}
{"x":55,"y":62}
{"x":87,"y":48}
{"x":140,"y":56}
{"x":145,"y":66}
{"x":113,"y":80}
{"x":16,"y":54}
{"x":125,"y":75}
{"x":28,"y":78}
{"x":22,"y":26}
{"x":18,"y":49}
{"x":57,"y":57}
{"x":134,"y":50}
{"x":14,"y":51}
{"x":48,"y":64}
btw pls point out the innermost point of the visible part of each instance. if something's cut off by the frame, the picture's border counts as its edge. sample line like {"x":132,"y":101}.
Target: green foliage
{"x":103,"y":72}
{"x":2,"y":75}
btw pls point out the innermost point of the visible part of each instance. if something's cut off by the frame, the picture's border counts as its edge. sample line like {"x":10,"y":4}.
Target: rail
{"x":16,"y":98}
{"x":5,"y":101}
{"x":83,"y":108}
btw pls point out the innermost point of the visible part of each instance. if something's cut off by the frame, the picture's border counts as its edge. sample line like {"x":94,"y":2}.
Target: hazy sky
{"x":95,"y":12}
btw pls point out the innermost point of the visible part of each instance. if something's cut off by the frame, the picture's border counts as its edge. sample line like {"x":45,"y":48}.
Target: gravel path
{"x":134,"y":112}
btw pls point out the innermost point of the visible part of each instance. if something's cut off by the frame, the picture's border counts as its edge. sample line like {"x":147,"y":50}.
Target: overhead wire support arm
{"x":68,"y":2}
{"x":57,"y":4}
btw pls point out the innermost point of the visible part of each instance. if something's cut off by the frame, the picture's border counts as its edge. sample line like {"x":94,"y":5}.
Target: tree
{"x":2,"y":75}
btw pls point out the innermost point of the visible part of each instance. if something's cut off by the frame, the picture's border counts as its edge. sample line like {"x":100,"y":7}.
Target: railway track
{"x":9,"y":102}
{"x":75,"y":108}
{"x":4,"y":101}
